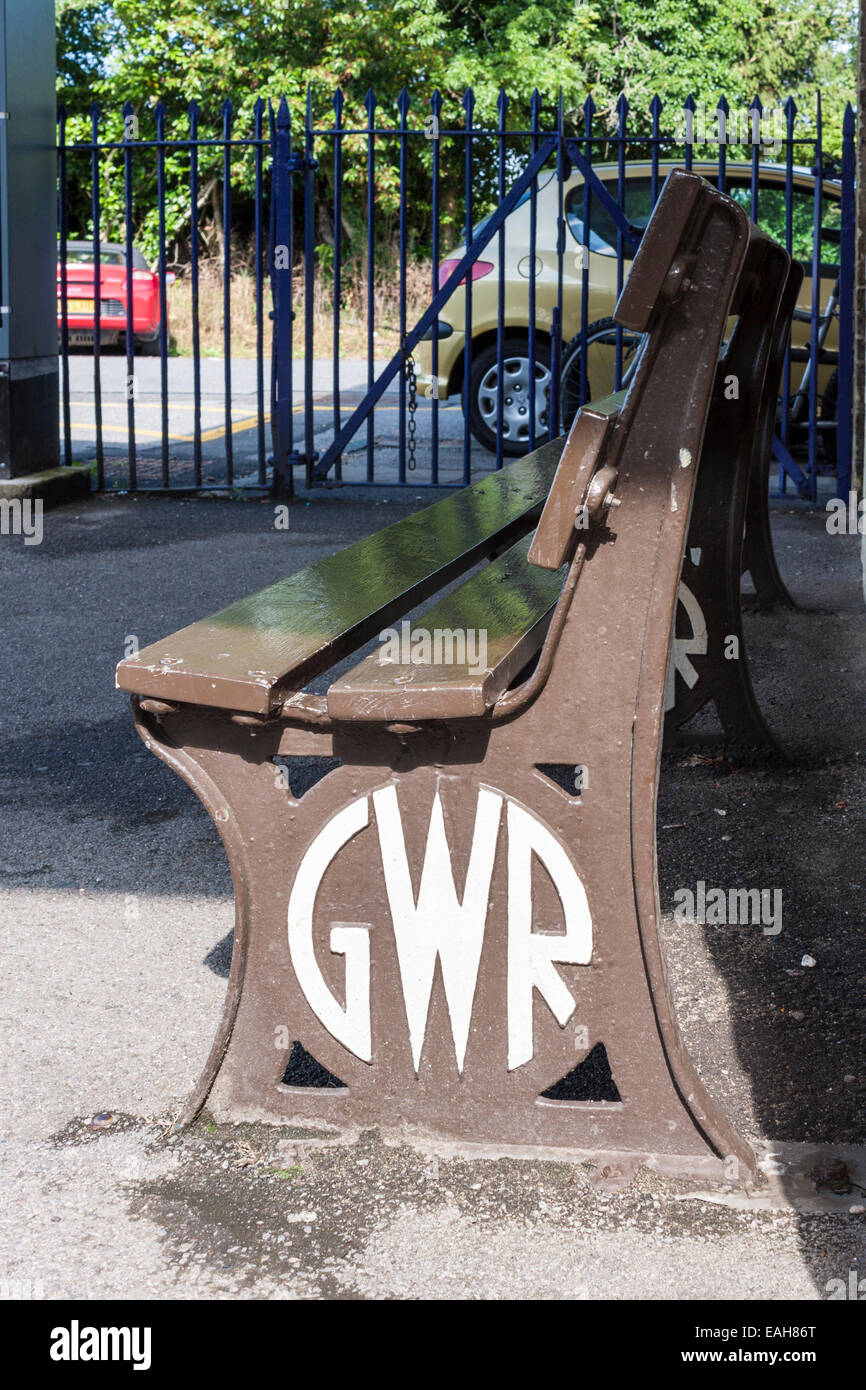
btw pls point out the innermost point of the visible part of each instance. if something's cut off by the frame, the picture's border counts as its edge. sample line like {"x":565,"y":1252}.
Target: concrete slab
{"x":52,"y":486}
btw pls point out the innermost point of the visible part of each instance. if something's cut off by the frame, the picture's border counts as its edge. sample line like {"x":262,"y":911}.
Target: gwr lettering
{"x":439,"y":926}
{"x":682,"y":648}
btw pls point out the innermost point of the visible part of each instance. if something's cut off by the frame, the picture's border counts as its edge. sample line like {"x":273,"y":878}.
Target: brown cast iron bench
{"x":445,"y":924}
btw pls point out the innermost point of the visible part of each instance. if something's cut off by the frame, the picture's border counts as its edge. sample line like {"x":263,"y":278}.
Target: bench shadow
{"x":774,"y":1016}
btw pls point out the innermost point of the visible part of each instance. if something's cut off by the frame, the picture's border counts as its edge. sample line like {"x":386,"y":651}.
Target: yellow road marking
{"x":157,"y":434}
{"x":218,"y":433}
{"x":152,"y":405}
{"x":207,"y":436}
{"x":116,"y":429}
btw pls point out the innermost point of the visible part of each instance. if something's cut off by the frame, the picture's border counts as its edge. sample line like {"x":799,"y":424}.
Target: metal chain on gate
{"x":409,"y":367}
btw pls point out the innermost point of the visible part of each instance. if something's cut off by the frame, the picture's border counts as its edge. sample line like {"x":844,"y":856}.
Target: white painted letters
{"x":350,"y":1026}
{"x":684,"y":647}
{"x":531,"y":954}
{"x":440,"y":925}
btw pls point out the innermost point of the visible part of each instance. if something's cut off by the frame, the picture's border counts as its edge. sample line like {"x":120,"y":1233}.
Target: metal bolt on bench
{"x":450,"y":922}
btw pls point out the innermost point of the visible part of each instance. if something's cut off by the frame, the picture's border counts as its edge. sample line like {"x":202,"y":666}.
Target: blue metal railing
{"x":364,"y":178}
{"x":86,"y":177}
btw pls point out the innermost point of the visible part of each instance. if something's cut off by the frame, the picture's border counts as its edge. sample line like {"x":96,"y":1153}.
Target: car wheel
{"x":147,"y":347}
{"x":516,"y":378}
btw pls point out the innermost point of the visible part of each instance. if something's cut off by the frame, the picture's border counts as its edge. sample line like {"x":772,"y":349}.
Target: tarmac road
{"x":247,"y":419}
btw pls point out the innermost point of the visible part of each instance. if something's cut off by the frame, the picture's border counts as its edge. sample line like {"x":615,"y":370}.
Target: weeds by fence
{"x":353,"y":303}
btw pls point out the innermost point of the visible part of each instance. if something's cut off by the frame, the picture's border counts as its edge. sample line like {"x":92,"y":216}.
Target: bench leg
{"x":709,"y":661}
{"x":432,"y":850}
{"x":758,"y":554}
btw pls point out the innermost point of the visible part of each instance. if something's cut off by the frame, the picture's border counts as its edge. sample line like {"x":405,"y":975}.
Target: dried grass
{"x":243,"y":310}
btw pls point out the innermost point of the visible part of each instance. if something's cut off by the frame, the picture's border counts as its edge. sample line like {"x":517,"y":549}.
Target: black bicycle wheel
{"x":601,"y":338}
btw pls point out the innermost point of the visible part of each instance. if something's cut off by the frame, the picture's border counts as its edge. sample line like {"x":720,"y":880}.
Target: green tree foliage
{"x":176,"y":51}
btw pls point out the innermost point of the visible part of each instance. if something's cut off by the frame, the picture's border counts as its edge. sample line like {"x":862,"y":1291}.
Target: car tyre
{"x":483,"y":393}
{"x":147,"y":347}
{"x":600,"y":334}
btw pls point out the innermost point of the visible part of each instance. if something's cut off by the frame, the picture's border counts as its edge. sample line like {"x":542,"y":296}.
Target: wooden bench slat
{"x":251,"y":655}
{"x":511,"y":601}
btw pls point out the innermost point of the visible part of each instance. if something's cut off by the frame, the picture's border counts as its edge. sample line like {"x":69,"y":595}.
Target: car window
{"x":602,"y":228}
{"x":86,"y":257}
{"x":771,"y":215}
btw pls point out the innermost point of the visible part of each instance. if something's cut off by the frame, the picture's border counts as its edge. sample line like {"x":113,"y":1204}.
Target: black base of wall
{"x":29,"y":404}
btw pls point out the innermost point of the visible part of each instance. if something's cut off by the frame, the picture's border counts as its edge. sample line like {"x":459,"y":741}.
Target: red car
{"x":113,"y":322}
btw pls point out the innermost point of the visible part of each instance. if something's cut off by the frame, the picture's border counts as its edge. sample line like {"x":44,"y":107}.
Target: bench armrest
{"x":555,"y":536}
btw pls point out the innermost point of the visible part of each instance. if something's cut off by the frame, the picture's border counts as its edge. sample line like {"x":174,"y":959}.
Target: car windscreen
{"x":86,"y":257}
{"x":771,"y":213}
{"x":602,"y":228}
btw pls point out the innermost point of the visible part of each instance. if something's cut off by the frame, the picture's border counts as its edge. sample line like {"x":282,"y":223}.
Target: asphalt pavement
{"x":241,"y":430}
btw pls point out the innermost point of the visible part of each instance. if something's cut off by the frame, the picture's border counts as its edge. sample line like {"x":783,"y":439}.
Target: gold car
{"x":515,"y":375}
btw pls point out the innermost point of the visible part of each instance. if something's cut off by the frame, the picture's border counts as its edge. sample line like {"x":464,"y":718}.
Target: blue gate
{"x":441,"y":287}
